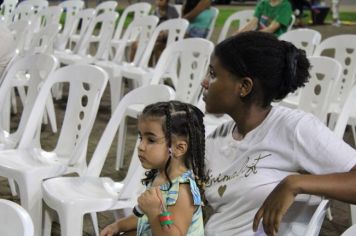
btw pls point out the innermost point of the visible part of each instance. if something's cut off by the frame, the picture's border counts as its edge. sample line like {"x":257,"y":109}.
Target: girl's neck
{"x":249,"y":120}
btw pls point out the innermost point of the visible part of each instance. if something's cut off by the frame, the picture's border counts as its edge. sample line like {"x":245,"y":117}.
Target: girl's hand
{"x":150,"y":201}
{"x":110,"y":230}
{"x":275,"y":206}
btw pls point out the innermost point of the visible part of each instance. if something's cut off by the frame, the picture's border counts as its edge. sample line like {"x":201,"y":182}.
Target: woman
{"x":259,"y":162}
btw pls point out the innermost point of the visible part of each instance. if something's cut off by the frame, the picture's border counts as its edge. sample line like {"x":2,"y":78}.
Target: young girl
{"x":172,"y":148}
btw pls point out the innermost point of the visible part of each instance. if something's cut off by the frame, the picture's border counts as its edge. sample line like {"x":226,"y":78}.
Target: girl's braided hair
{"x":182,"y":120}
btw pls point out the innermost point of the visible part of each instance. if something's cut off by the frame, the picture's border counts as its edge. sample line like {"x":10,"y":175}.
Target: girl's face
{"x":152,"y":150}
{"x":220,"y":89}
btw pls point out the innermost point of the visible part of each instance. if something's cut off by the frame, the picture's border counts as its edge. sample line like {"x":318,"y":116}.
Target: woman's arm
{"x":182,"y":213}
{"x":124,"y":225}
{"x":201,"y":6}
{"x":340,"y":186}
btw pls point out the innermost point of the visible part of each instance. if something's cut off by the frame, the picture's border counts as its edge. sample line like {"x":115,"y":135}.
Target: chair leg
{"x":12,"y":187}
{"x":353,"y":214}
{"x":120,"y":151}
{"x":94,"y":220}
{"x":31,"y":200}
{"x":353,"y":127}
{"x":48,"y":218}
{"x":71,"y":222}
{"x":51,"y":114}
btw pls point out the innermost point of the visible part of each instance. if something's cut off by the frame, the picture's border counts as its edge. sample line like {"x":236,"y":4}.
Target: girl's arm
{"x":272,"y":27}
{"x":124,"y":225}
{"x":182,"y":213}
{"x":250,"y":26}
{"x":201,"y":6}
{"x":339,"y":186}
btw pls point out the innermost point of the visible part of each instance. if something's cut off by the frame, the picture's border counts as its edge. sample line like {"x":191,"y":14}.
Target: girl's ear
{"x":180,"y":147}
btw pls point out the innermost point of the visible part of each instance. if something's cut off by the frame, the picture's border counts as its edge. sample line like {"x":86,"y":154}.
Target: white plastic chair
{"x":102,"y":8}
{"x":351,"y":231}
{"x":43,"y":40}
{"x":306,"y":39}
{"x":142,"y":28}
{"x":29,"y":164}
{"x":188,"y":59}
{"x":317,"y":219}
{"x":344,"y":51}
{"x":178,"y":7}
{"x":291,"y":23}
{"x":106,"y":21}
{"x":6,"y":8}
{"x":137,"y":10}
{"x":50,"y":15}
{"x":72,"y":8}
{"x":36,"y":68}
{"x":72,"y":197}
{"x":22,"y":12}
{"x":139,"y":70}
{"x":80,"y":25}
{"x":14,"y":220}
{"x":316,"y":95}
{"x":243,"y":17}
{"x":19,"y":29}
{"x":212,"y":23}
{"x":37,"y":7}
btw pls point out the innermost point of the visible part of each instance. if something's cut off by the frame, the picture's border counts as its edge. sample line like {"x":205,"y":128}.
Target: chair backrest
{"x":82,"y":22}
{"x":50,"y":15}
{"x":141,"y":30}
{"x":106,"y":6}
{"x":22,"y":12}
{"x":348,"y":108}
{"x":19,"y":29}
{"x":38,"y":5}
{"x":178,"y":7}
{"x":343,"y":48}
{"x":317,"y":219}
{"x":212,"y":23}
{"x":14,"y":219}
{"x":42,"y":41}
{"x":103,"y":25}
{"x":315,"y":96}
{"x":351,"y":231}
{"x":72,"y":8}
{"x":137,"y":9}
{"x":30,"y":71}
{"x":243,"y":17}
{"x":291,"y":23}
{"x":6,"y":9}
{"x":184,"y":62}
{"x":175,"y":30}
{"x":306,"y":39}
{"x":143,"y":95}
{"x":86,"y":85}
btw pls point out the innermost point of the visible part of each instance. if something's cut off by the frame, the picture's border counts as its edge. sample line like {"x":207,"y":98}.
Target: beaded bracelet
{"x":165,"y":218}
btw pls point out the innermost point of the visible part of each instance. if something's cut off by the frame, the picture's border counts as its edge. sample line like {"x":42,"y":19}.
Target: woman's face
{"x":221,"y":89}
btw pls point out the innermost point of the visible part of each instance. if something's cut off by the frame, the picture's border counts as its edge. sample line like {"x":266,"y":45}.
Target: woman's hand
{"x":275,"y":206}
{"x":110,"y":230}
{"x":150,"y":201}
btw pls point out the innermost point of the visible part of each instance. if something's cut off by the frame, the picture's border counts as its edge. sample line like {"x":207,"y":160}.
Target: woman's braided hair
{"x":182,"y":120}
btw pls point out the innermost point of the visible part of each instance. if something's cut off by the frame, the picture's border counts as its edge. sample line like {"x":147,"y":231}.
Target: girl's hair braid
{"x":169,"y":141}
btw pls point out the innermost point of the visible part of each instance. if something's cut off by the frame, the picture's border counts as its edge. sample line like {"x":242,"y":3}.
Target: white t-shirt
{"x":241,"y":174}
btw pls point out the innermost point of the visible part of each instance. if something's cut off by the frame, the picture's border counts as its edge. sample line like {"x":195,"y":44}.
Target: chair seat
{"x":87,"y":194}
{"x":68,"y":58}
{"x":137,"y":73}
{"x":26,"y":162}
